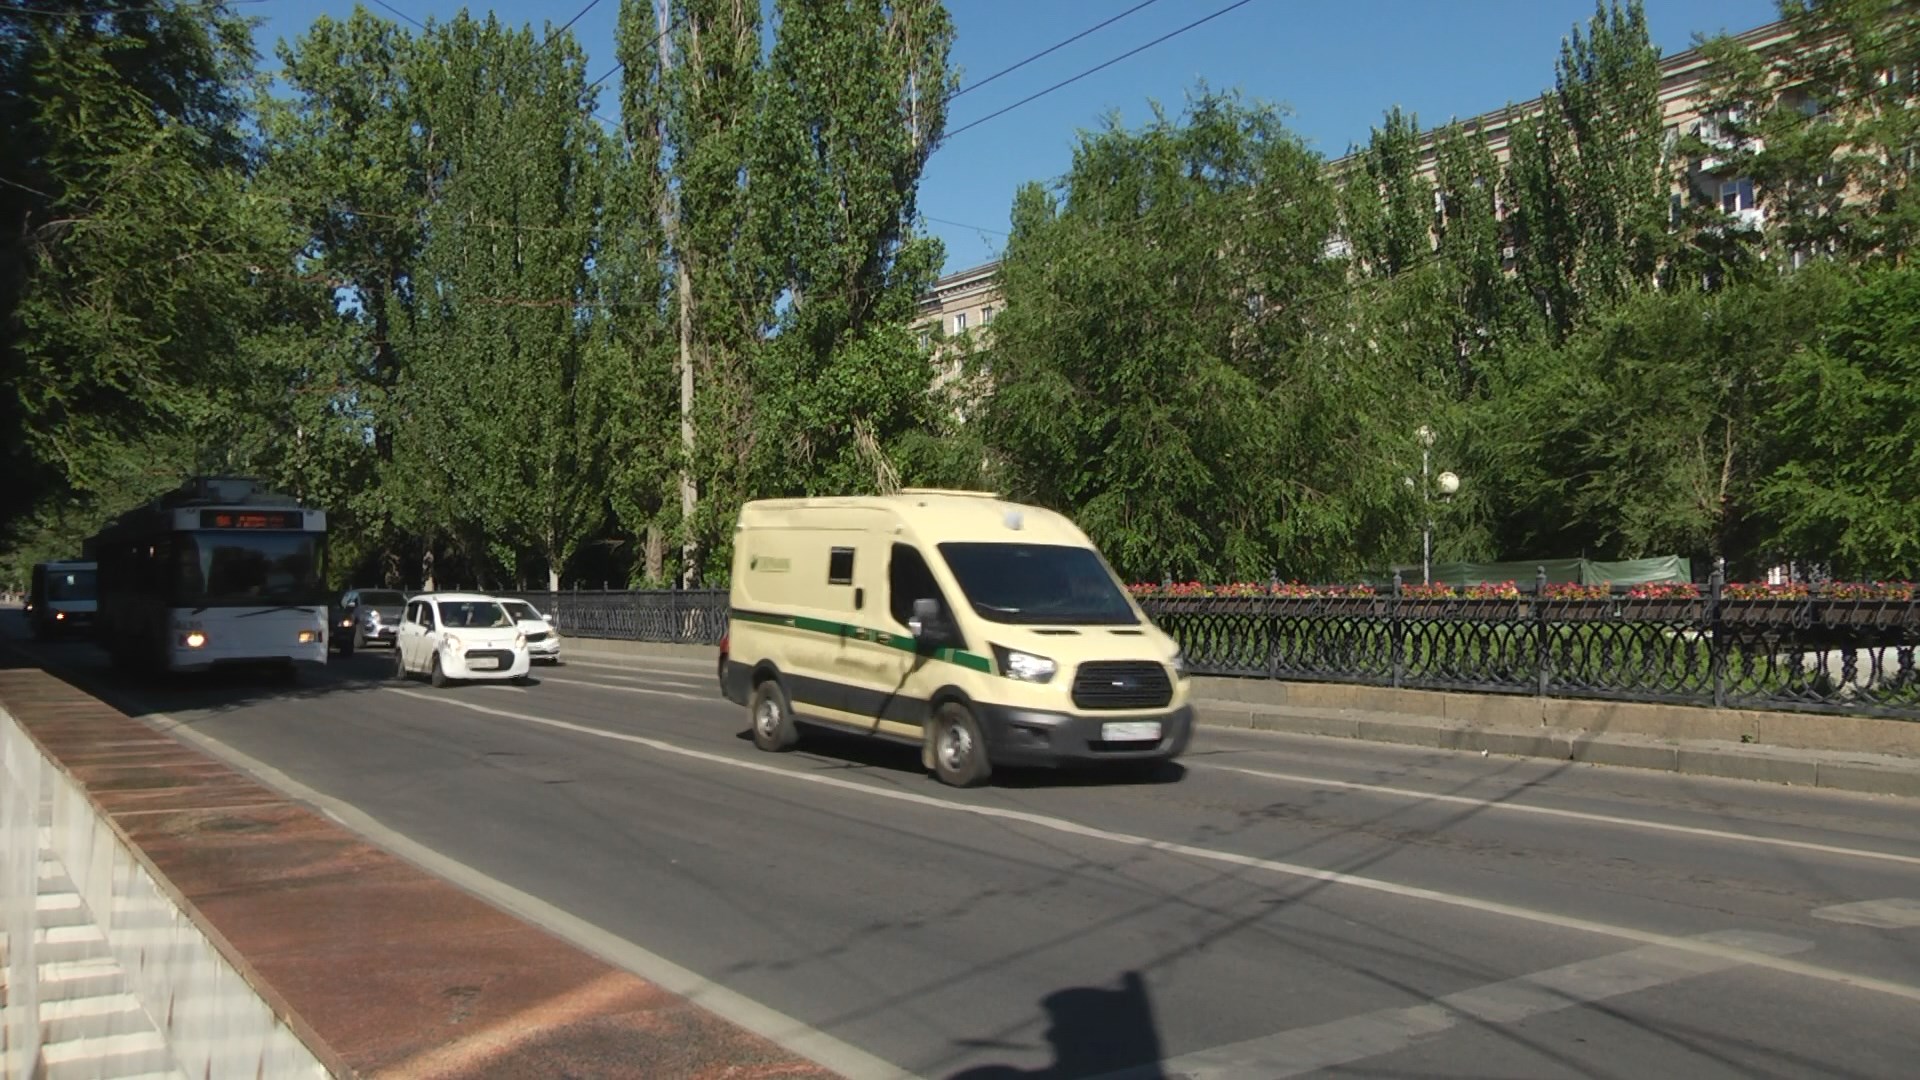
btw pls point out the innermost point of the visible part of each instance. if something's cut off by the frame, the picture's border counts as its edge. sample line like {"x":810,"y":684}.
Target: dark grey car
{"x":366,"y":617}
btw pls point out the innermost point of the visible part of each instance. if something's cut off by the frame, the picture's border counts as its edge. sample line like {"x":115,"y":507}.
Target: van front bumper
{"x":1035,"y":737}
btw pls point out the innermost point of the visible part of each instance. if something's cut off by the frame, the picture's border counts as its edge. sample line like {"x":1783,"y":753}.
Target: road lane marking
{"x":680,"y":694}
{"x":777,"y":1027}
{"x":1356,"y":1038}
{"x":681,"y":683}
{"x":1252,"y":862}
{"x":1897,"y":913}
{"x":1577,"y":815}
{"x":688,"y":672}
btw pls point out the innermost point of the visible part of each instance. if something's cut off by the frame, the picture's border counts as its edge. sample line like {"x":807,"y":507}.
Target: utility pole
{"x":670,"y":225}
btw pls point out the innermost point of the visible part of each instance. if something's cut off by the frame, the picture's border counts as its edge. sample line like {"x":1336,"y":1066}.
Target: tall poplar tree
{"x":855,"y":102}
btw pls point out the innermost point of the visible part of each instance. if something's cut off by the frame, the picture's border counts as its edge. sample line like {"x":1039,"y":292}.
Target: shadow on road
{"x":1093,"y":1031}
{"x":848,"y":750}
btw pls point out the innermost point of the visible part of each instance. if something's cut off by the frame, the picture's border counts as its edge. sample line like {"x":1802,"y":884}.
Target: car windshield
{"x":242,"y":568}
{"x":520,"y":609}
{"x":381,"y":598}
{"x":473,"y":614}
{"x":1038,"y":583}
{"x":69,"y":585}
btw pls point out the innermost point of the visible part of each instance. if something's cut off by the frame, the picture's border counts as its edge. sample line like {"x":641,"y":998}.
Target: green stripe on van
{"x":903,"y":642}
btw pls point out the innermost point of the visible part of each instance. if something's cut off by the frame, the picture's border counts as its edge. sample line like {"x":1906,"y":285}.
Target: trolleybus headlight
{"x":308,"y":637}
{"x":194,"y":640}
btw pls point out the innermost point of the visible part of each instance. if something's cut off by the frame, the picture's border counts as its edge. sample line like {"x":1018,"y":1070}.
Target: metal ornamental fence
{"x":1816,"y":652}
{"x":687,"y":617}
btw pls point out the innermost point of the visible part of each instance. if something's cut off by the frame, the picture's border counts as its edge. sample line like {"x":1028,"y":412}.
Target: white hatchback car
{"x":543,"y":640}
{"x":460,"y":636}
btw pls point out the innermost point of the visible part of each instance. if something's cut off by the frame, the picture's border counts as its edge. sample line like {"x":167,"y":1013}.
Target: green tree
{"x":631,"y":278}
{"x":1846,"y":412}
{"x":1587,"y":184}
{"x":843,"y":380}
{"x":1650,"y":431}
{"x":343,"y":153}
{"x":1826,"y":128}
{"x":129,"y":256}
{"x":1387,"y":204}
{"x":504,"y":428}
{"x":1181,"y":368}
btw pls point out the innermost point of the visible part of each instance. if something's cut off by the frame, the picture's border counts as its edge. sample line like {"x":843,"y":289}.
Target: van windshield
{"x":1053,"y":584}
{"x":69,"y":585}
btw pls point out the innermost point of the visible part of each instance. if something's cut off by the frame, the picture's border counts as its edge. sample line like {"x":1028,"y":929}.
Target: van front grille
{"x":1122,"y":684}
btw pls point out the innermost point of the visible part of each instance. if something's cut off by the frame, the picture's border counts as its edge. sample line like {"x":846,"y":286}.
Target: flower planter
{"x":1423,"y":608}
{"x":1763,"y":612}
{"x":1867,"y":613}
{"x":1661,"y":610}
{"x":1576,"y":610}
{"x":1349,"y":606}
{"x":1491,"y":609}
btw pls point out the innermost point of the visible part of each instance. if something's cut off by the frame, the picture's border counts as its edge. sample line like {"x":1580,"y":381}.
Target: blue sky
{"x":1335,"y":66}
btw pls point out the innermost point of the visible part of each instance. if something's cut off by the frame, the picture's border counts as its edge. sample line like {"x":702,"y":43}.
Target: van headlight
{"x":1023,"y":666}
{"x":1181,"y":669}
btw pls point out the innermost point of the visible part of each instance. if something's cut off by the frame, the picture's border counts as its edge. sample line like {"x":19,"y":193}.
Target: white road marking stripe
{"x":1341,"y":1042}
{"x":688,"y":672}
{"x":1898,"y":913}
{"x":1285,"y":869}
{"x":844,"y":1058}
{"x":682,"y":695}
{"x":685,"y":683}
{"x":1576,"y":815}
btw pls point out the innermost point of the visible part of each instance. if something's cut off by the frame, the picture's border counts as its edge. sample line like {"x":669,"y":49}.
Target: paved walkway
{"x":387,"y":970}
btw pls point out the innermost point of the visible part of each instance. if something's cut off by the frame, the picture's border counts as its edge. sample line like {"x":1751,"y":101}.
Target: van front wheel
{"x":959,"y":753}
{"x":772,"y":720}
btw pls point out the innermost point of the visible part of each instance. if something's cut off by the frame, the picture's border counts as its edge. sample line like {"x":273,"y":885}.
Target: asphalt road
{"x":1288,"y":906}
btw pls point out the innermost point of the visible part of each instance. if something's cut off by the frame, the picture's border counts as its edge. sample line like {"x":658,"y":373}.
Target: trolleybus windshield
{"x":222,"y":568}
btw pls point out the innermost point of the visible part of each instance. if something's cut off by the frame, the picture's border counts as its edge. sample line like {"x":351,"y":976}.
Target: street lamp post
{"x":1448,"y":484}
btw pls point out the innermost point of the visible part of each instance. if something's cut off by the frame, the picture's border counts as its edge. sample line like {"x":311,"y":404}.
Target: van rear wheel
{"x":959,"y":753}
{"x":772,"y":717}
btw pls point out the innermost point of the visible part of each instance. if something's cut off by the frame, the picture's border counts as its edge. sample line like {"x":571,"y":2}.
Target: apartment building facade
{"x":964,"y":302}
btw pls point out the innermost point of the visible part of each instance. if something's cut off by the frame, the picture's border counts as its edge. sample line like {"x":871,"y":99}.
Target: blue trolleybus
{"x":219,"y":572}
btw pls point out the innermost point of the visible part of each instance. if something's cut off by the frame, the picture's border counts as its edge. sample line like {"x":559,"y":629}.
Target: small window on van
{"x":908,"y":579}
{"x":840,"y":566}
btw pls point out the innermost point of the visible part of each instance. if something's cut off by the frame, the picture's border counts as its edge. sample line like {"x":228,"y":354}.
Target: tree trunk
{"x":656,"y":555}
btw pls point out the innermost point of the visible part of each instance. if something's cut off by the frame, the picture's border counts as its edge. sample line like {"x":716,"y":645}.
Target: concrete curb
{"x":1841,"y":753}
{"x":1839,"y":771}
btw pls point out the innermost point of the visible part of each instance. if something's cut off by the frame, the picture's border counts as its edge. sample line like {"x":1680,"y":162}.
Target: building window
{"x":926,"y":338}
{"x":1736,"y":195}
{"x":986,"y":315}
{"x":960,"y":323}
{"x":1676,"y":209}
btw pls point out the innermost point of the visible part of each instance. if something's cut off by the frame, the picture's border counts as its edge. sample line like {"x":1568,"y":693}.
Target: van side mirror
{"x":926,"y":620}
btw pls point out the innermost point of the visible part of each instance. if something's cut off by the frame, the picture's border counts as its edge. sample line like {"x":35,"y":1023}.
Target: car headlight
{"x":1026,"y":667}
{"x":520,"y":640}
{"x":451,"y":641}
{"x":1181,"y":669}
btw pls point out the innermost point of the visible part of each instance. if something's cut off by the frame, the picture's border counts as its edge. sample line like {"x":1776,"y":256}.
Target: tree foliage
{"x":416,"y":282}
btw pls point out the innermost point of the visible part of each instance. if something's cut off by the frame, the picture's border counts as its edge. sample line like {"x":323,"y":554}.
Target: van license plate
{"x":1131,"y":731}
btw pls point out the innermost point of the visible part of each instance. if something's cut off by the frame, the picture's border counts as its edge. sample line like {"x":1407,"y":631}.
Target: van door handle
{"x":859,"y":599}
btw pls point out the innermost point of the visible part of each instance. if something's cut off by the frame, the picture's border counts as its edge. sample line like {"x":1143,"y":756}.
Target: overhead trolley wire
{"x":1097,"y":67}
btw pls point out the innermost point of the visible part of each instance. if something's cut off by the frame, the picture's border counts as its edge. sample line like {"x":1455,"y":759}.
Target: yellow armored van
{"x":984,"y":631}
